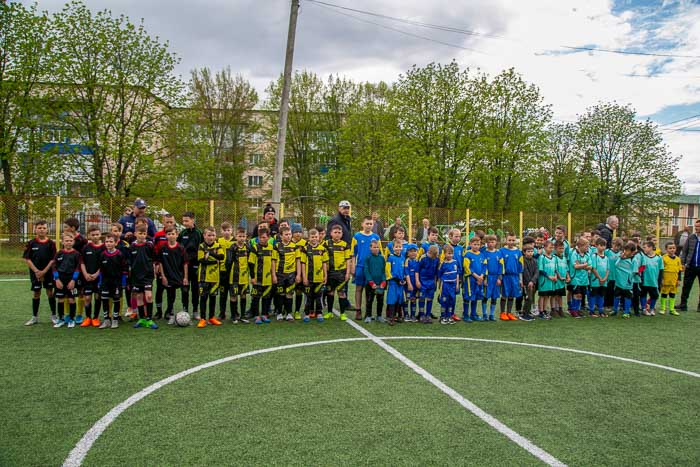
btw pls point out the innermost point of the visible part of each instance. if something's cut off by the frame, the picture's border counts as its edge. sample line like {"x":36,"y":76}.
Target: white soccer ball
{"x":183,"y":319}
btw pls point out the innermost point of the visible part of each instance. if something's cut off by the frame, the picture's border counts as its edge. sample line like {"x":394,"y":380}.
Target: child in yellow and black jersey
{"x":315,"y":270}
{"x":262,"y":262}
{"x":209,"y":256}
{"x":238,"y":275}
{"x":299,"y":289}
{"x":339,"y":267}
{"x":288,"y":273}
{"x":225,"y":241}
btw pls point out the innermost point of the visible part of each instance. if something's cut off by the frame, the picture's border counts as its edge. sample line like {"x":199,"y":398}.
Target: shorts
{"x":471,"y":291}
{"x":261,"y":290}
{"x":547,"y":293}
{"x":598,"y":291}
{"x":223,"y":279}
{"x":108,"y":291}
{"x":493,"y":290}
{"x":63,"y":292}
{"x":91,"y":287}
{"x":238,"y":289}
{"x":448,"y":294}
{"x":285,"y":283}
{"x":511,"y":286}
{"x":560,"y":292}
{"x":427,"y":290}
{"x":336,"y":280}
{"x":299,"y":289}
{"x":579,"y":289}
{"x":395,"y":294}
{"x":208,"y":288}
{"x":359,"y":279}
{"x":668,"y":289}
{"x":314,"y":289}
{"x":141,"y":286}
{"x":652,"y":291}
{"x":46,"y":282}
{"x":623,"y":293}
{"x":411,"y":294}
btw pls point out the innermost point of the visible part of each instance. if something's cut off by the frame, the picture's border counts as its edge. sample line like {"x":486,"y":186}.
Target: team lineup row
{"x":279,"y":269}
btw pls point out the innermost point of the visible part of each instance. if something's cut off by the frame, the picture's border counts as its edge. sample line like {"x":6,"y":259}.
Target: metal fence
{"x":19,"y":214}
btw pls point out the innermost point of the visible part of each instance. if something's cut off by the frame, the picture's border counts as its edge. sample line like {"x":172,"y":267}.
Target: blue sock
{"x":643,"y":302}
{"x":628,"y":305}
{"x":652,"y":303}
{"x":412,"y":307}
{"x":473,"y":310}
{"x":616,"y":303}
{"x":483,"y":309}
{"x":421,"y":308}
{"x":443,"y":312}
{"x":492,"y":310}
{"x":575,"y":304}
{"x":428,"y":307}
{"x":465,"y":309}
{"x":591,"y":303}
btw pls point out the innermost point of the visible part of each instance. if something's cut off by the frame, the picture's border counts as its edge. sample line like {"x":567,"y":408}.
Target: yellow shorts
{"x":667,"y":289}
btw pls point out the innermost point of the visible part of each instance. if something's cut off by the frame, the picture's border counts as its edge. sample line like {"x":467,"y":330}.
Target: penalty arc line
{"x":499,"y":426}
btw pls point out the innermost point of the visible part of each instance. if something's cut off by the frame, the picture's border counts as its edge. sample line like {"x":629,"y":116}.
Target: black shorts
{"x":650,"y":290}
{"x":90,"y":288}
{"x":622,"y":293}
{"x":223,"y":279}
{"x":286,"y":282}
{"x":314,"y":289}
{"x":336,"y":280}
{"x":238,"y":289}
{"x":141,"y":287}
{"x":46,"y":282}
{"x":299,"y":289}
{"x":63,"y":292}
{"x":112,"y":291}
{"x":579,"y":289}
{"x":261,"y":290}
{"x":598,"y":291}
{"x":208,"y":288}
{"x":548,"y":293}
{"x":560,"y":292}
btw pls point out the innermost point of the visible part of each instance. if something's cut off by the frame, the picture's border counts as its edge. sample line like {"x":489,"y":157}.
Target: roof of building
{"x":688,"y":199}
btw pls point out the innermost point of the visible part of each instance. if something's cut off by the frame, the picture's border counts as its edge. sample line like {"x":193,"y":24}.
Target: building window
{"x":257,"y":138}
{"x":255,"y":180}
{"x":255,"y":159}
{"x":255,"y":203}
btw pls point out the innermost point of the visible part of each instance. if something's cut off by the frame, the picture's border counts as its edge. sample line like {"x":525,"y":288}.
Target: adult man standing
{"x":422,"y":234}
{"x":269,"y":219}
{"x":378,"y":226}
{"x":128,"y":221}
{"x":690,"y":258}
{"x":606,"y":230}
{"x":681,"y":238}
{"x":341,"y":218}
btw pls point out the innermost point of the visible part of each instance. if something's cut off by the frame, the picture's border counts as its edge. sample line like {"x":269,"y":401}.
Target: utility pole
{"x":284,"y":106}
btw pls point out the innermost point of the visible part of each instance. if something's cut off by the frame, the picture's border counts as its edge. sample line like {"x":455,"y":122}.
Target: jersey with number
{"x":315,"y":258}
{"x":288,"y":256}
{"x":209,"y":257}
{"x":237,"y":264}
{"x":474,"y":263}
{"x":653,"y":268}
{"x":512,"y":260}
{"x":260,"y":261}
{"x":40,"y":252}
{"x":339,"y":254}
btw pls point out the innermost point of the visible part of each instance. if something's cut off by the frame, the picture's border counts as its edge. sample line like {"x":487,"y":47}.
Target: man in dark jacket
{"x":269,"y":219}
{"x":342,"y":218}
{"x":606,"y":230}
{"x":690,"y":258}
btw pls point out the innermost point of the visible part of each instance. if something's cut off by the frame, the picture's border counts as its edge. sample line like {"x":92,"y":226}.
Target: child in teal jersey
{"x":600,"y":272}
{"x":579,"y":267}
{"x":651,"y":270}
{"x":613,"y":254}
{"x":624,"y":279}
{"x":547,"y":280}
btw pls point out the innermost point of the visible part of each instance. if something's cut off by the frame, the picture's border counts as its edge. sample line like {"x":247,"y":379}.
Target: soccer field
{"x":411,"y":394}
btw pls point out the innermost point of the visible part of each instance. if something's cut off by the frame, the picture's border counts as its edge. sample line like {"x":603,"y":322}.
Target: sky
{"x":250,"y":37}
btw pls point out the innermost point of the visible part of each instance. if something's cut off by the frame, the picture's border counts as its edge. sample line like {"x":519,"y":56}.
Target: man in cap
{"x":269,"y":219}
{"x":128,"y":222}
{"x":342,"y":218}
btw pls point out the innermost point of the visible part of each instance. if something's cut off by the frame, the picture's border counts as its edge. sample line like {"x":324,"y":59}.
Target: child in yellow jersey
{"x":226,"y":240}
{"x":315,"y":270}
{"x":209,"y":256}
{"x":299,"y":288}
{"x":238,"y":277}
{"x":670,"y":280}
{"x":262,"y":262}
{"x":288,"y":273}
{"x":339,"y":260}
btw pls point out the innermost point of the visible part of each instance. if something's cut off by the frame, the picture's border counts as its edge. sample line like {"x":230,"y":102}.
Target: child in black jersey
{"x":90,"y":268}
{"x":39,"y":254}
{"x":66,"y":270}
{"x":142,"y":258}
{"x":172,"y":267}
{"x":113,"y":273}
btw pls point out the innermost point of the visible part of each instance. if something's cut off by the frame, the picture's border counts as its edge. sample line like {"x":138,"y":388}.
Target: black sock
{"x":142,"y":312}
{"x":288,"y":305}
{"x":149,"y":310}
{"x":35,"y":306}
{"x":242,"y":303}
{"x":105,"y":308}
{"x":298,"y":298}
{"x":212,"y":306}
{"x":116,"y":305}
{"x":98,"y":308}
{"x":88,"y":310}
{"x":330,"y":300}
{"x":71,"y":307}
{"x":52,"y":305}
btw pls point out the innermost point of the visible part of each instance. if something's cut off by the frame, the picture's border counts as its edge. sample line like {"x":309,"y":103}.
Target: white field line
{"x":518,"y":439}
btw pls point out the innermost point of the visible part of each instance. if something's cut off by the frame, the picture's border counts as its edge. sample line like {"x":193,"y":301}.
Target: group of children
{"x":298,"y":278}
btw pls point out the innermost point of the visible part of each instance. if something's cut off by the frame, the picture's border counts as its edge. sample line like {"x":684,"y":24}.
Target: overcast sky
{"x":250,"y":36}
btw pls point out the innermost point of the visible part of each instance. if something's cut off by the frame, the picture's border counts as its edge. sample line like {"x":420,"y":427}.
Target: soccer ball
{"x":183,"y":319}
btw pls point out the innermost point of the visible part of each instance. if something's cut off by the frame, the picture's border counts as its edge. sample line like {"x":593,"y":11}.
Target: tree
{"x":114,"y":84}
{"x":631,"y":170}
{"x":438,"y":108}
{"x":562,"y":173}
{"x":211,"y":152}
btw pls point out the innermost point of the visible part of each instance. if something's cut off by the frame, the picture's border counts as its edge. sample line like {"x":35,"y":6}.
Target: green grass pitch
{"x":349,"y":403}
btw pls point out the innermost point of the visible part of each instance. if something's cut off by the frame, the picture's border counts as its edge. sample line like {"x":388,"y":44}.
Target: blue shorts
{"x":471,"y":290}
{"x":394,"y":294}
{"x":448,"y":294}
{"x":359,"y":279}
{"x":511,"y":286}
{"x":412,"y":294}
{"x":427,"y":290}
{"x":493,"y":290}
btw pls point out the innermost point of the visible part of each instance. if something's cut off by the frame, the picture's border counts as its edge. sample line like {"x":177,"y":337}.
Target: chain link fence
{"x":18,"y":215}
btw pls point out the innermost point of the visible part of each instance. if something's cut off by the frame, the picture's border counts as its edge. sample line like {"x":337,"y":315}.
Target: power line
{"x":401,"y":31}
{"x":480,"y":34}
{"x":692,"y":117}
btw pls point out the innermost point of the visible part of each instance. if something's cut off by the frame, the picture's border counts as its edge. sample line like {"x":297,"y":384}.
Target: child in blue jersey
{"x":448,"y":280}
{"x":512,"y":282}
{"x":494,"y":273}
{"x":600,"y":272}
{"x":360,"y":248}
{"x":624,"y":279}
{"x":652,"y":270}
{"x":563,"y":278}
{"x":579,"y":267}
{"x":400,"y":237}
{"x":425,"y":282}
{"x":547,"y":280}
{"x":432,"y":241}
{"x":397,"y":279}
{"x":474,"y":273}
{"x":612,"y":254}
{"x":411,"y":266}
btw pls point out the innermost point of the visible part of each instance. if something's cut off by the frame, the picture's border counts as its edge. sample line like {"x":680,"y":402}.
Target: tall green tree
{"x":114,"y":86}
{"x":631,"y":169}
{"x":562,"y":172}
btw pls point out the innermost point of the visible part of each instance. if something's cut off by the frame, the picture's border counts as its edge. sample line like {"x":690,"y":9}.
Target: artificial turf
{"x":349,"y":403}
